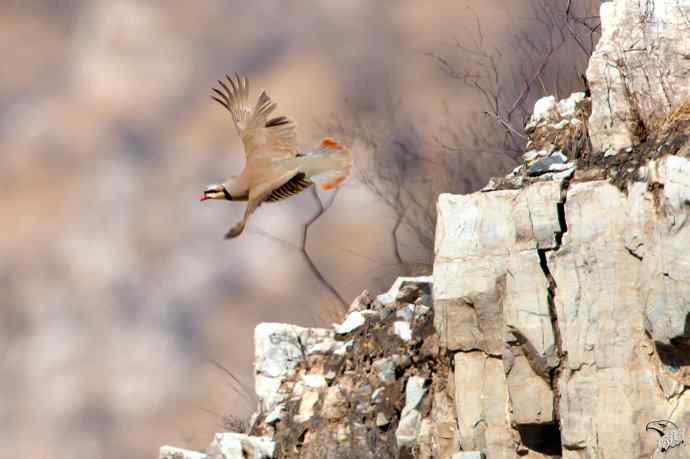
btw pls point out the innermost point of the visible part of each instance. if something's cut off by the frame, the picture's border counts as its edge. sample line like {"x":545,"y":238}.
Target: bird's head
{"x":215,"y":191}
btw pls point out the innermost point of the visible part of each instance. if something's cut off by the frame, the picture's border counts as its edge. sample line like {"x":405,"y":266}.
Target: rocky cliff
{"x":557,"y":322}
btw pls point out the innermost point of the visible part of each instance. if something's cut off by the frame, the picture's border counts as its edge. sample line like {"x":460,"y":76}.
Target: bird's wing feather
{"x":263,"y":137}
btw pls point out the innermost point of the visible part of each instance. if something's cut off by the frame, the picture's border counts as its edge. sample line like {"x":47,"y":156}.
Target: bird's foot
{"x":235,"y":231}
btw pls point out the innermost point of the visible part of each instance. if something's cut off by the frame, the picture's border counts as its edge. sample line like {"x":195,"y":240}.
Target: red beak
{"x":203,"y":197}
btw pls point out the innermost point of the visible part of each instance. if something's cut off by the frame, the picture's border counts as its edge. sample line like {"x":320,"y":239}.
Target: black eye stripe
{"x":227,"y":195}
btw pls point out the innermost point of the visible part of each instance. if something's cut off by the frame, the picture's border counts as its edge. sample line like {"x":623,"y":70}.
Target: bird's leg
{"x":257,"y":195}
{"x":235,"y":230}
{"x":252,"y":205}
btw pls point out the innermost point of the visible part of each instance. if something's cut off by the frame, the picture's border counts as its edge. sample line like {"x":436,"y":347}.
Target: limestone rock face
{"x":639,"y":71}
{"x":567,"y":308}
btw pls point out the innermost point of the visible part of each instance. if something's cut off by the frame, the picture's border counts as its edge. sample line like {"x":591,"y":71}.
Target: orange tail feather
{"x":337,"y":149}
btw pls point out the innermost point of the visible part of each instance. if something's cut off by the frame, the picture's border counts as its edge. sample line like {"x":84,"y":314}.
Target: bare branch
{"x":244,"y":391}
{"x":305,"y":235}
{"x":506,"y":125}
{"x":407,"y":172}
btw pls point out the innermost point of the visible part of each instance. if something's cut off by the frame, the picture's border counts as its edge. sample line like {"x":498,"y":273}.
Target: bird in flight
{"x":275,"y":168}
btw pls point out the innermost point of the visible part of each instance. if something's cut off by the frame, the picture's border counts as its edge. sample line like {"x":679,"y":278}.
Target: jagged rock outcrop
{"x":376,"y":385}
{"x":558,"y":320}
{"x":560,"y":305}
{"x":374,"y":377}
{"x":638,"y":73}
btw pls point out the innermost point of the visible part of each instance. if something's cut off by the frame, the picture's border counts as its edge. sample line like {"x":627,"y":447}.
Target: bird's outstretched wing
{"x":263,"y":137}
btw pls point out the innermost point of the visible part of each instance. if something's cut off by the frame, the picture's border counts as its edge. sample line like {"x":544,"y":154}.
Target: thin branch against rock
{"x":305,"y":239}
{"x":508,"y":96}
{"x":506,"y":125}
{"x":404,"y":268}
{"x":244,"y":391}
{"x":580,"y":21}
{"x":406,"y":172}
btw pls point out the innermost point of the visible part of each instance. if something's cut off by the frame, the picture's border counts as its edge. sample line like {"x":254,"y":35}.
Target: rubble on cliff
{"x":373,"y":386}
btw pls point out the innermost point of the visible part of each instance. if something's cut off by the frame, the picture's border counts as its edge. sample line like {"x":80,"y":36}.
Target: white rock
{"x":480,"y":397}
{"x":411,"y":310}
{"x":352,"y":322}
{"x":623,"y":284}
{"x":385,"y":367}
{"x":558,"y":177}
{"x":402,"y":329}
{"x":534,"y":154}
{"x":567,"y":107}
{"x":170,"y":452}
{"x":414,"y":392}
{"x":542,"y":110}
{"x":278,"y":349}
{"x":408,"y":428}
{"x":561,"y":167}
{"x":666,"y":286}
{"x":343,"y":347}
{"x":377,"y":396}
{"x":308,"y":400}
{"x":234,"y":446}
{"x":314,"y":381}
{"x":410,"y":418}
{"x":390,"y":296}
{"x":559,"y":154}
{"x":561,"y":124}
{"x":469,"y":455}
{"x":276,"y":414}
{"x":480,"y":239}
{"x":382,"y":420}
{"x":370,"y":313}
{"x":530,"y":394}
{"x":638,"y":69}
{"x":405,"y":313}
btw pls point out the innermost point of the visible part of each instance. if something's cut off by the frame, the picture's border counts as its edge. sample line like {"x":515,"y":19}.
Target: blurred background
{"x":123,"y":311}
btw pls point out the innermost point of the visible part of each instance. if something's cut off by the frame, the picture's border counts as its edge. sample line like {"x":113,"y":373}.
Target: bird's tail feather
{"x":329,"y":165}
{"x":337,"y":161}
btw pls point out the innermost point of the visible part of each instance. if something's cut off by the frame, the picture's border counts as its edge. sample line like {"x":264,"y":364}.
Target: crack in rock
{"x":561,"y":356}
